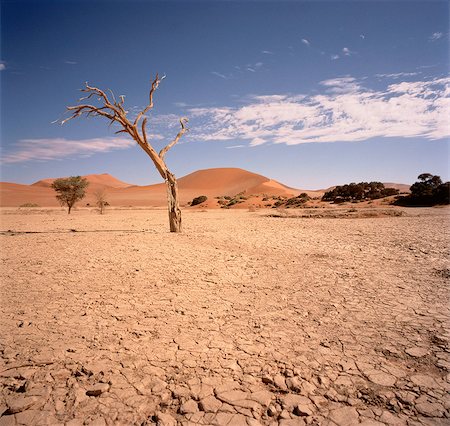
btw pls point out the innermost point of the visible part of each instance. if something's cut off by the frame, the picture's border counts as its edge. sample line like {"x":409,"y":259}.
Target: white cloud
{"x":58,"y":148}
{"x":436,"y":36}
{"x":70,"y":62}
{"x":341,"y":84}
{"x":218,"y":74}
{"x":397,"y":75}
{"x":334,"y":57}
{"x":236,"y":146}
{"x":347,"y":52}
{"x":2,"y":66}
{"x":267,"y":52}
{"x":257,"y":141}
{"x":345,"y":111}
{"x":362,"y":36}
{"x":306,"y":42}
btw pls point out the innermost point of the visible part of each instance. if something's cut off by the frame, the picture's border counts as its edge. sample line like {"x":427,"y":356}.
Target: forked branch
{"x":115,"y":112}
{"x":184,"y":129}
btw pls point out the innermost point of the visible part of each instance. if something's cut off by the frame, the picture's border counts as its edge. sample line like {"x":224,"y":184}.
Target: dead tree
{"x":100,"y":200}
{"x":115,"y":112}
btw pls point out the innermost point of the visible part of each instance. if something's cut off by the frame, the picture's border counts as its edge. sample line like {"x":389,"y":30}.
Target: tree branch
{"x":155,"y":85}
{"x":184,"y":129}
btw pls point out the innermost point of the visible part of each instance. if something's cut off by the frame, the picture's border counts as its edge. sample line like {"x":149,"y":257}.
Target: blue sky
{"x":309,"y":93}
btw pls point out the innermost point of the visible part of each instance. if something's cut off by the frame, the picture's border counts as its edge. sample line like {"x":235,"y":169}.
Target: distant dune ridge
{"x":210,"y":182}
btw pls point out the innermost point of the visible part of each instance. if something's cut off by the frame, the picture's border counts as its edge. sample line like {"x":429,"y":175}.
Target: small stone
{"x":189,"y":407}
{"x":303,"y":410}
{"x":97,"y":389}
{"x":279,"y":382}
{"x":21,"y":403}
{"x":165,"y":419}
{"x":294,"y":383}
{"x":381,"y":378}
{"x":262,"y":397}
{"x":267,"y":380}
{"x":272,"y":411}
{"x":291,"y":401}
{"x":319,"y":401}
{"x":228,"y":419}
{"x":430,"y":409}
{"x":307,"y":388}
{"x":371,"y":422}
{"x":324,"y":381}
{"x":238,"y":398}
{"x":181,"y":392}
{"x":345,"y":416}
{"x":416,"y":352}
{"x":210,"y":404}
{"x":390,"y":419}
{"x":423,"y":380}
{"x":99,"y":421}
{"x":285,"y":414}
{"x":291,"y":422}
{"x":8,"y":420}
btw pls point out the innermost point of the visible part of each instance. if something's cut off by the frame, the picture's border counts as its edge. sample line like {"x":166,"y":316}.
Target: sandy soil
{"x":243,"y":319}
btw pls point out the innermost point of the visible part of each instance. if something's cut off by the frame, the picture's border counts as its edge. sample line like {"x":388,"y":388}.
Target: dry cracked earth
{"x":243,"y":319}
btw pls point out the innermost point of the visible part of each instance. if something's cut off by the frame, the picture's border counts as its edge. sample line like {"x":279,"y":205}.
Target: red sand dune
{"x":105,"y":180}
{"x":209,"y":182}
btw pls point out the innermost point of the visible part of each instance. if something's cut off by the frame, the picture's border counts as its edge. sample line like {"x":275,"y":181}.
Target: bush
{"x":29,"y":205}
{"x":355,"y":192}
{"x":199,"y":200}
{"x":427,"y":191}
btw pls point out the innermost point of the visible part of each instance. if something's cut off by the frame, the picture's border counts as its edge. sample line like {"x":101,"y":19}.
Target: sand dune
{"x":210,"y":182}
{"x":105,"y":180}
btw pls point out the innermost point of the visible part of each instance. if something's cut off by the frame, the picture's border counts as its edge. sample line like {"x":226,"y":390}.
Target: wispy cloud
{"x":218,"y":74}
{"x":254,"y":67}
{"x":345,"y":111}
{"x":334,"y":57}
{"x":2,"y":66}
{"x":267,"y":52}
{"x":236,"y":146}
{"x":397,"y":75}
{"x":436,"y":36}
{"x":59,"y":148}
{"x":362,"y":36}
{"x":70,"y":62}
{"x":347,"y":52}
{"x":306,"y":42}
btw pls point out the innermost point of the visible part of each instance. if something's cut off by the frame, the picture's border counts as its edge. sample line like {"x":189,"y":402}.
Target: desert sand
{"x":209,"y":182}
{"x":243,"y":319}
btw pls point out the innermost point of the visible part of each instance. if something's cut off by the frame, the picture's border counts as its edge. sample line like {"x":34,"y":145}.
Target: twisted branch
{"x":184,"y":129}
{"x":115,"y":112}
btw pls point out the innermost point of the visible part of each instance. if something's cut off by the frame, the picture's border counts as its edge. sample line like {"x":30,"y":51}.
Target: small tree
{"x":425,"y":186}
{"x":429,"y":190}
{"x":100,"y":200}
{"x":115,"y":112}
{"x":70,"y":190}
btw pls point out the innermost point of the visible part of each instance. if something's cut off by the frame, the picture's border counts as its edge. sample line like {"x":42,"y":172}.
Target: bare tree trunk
{"x":70,"y":208}
{"x":173,"y":203}
{"x":115,"y":112}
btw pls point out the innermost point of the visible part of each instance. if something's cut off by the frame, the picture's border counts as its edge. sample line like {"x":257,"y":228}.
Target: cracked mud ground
{"x":241,"y":320}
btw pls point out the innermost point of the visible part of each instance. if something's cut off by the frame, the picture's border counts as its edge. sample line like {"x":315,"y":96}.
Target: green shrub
{"x":199,"y":200}
{"x":427,"y":191}
{"x":29,"y":205}
{"x":355,"y":192}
